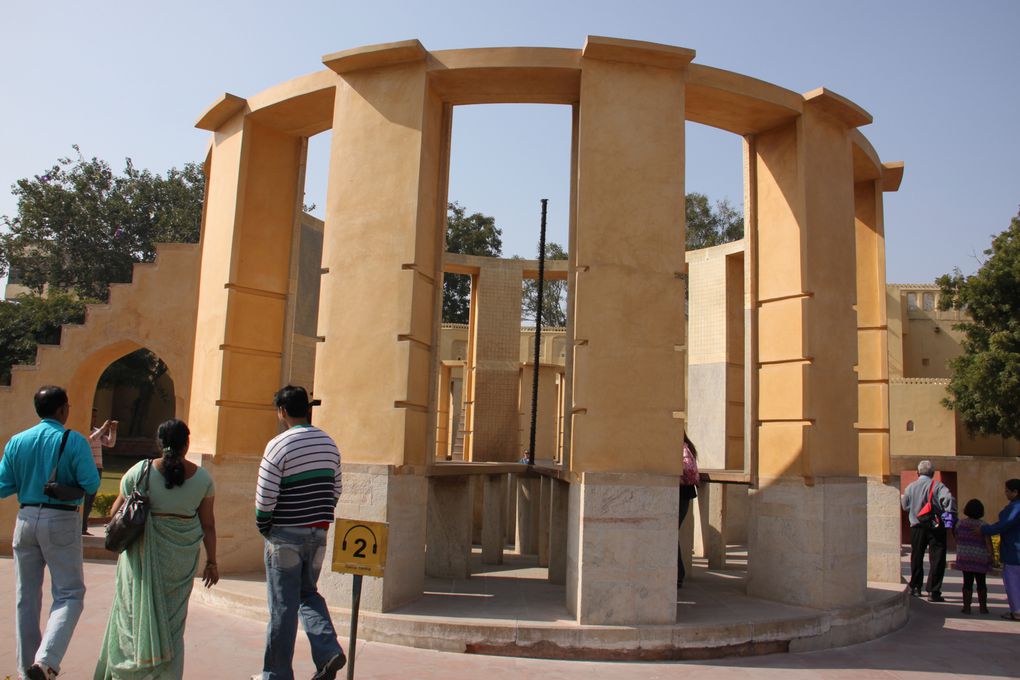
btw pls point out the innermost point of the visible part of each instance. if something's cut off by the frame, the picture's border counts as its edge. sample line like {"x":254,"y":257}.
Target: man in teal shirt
{"x":47,"y":532}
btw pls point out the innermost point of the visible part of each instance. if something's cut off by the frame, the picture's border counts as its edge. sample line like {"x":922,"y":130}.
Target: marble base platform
{"x":513,"y":610}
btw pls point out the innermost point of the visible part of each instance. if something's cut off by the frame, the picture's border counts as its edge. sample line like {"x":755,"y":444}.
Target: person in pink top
{"x":106,"y":435}
{"x":973,"y":555}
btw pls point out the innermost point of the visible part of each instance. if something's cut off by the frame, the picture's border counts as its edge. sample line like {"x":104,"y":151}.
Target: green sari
{"x":144,"y":637}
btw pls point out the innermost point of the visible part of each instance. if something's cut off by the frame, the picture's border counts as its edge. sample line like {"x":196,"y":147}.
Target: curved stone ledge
{"x":757,"y":627}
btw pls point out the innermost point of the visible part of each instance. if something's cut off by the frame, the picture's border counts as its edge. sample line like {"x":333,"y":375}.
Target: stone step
{"x":94,"y":547}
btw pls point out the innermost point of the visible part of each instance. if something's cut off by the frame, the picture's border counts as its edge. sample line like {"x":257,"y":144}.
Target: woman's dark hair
{"x":1013,"y":484}
{"x":974,"y":509}
{"x":690,"y":445}
{"x":173,"y":440}
{"x":293,"y":400}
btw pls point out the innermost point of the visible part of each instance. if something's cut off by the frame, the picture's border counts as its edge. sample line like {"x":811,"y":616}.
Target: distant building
{"x":14,"y":286}
{"x":922,"y":340}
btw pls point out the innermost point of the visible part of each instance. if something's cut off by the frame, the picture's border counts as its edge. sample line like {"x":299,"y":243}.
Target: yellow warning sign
{"x":359,"y":547}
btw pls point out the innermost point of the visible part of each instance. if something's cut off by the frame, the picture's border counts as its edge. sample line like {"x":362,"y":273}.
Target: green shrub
{"x":101,"y":506}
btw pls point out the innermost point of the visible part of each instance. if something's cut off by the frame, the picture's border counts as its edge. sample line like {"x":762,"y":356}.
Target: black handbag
{"x":129,"y":522}
{"x":53,"y":488}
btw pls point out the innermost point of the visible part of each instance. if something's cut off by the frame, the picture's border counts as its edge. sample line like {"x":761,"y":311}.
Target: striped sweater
{"x":299,"y":479}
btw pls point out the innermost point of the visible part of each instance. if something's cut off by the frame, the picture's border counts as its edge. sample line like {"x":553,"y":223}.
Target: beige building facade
{"x":922,"y":340}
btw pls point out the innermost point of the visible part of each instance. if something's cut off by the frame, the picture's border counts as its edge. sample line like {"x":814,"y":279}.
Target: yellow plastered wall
{"x":139,"y":314}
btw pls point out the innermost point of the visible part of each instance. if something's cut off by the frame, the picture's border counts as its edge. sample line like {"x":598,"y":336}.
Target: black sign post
{"x":353,"y":642}
{"x":359,"y":549}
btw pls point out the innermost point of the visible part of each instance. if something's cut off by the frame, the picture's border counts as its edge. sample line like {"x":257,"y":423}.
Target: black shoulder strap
{"x":63,"y":443}
{"x":145,"y":476}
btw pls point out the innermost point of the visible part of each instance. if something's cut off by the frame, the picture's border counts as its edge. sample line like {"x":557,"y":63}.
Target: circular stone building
{"x":812,"y":436}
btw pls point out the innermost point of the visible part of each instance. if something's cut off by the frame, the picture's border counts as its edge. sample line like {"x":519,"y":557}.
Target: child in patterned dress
{"x":973,"y":555}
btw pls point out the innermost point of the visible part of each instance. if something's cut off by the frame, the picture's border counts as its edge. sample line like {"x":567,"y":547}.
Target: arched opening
{"x":135,"y":393}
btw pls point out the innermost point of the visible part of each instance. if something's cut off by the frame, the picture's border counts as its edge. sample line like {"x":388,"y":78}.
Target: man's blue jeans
{"x":293,"y":559}
{"x":44,"y":537}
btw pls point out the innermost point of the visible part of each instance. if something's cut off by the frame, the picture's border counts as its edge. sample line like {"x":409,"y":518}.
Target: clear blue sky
{"x":940,"y":78}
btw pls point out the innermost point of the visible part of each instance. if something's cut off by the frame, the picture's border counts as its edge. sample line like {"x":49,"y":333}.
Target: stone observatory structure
{"x":809,"y":437}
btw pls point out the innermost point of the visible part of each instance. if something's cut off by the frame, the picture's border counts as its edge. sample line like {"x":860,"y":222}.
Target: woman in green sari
{"x":145,"y":634}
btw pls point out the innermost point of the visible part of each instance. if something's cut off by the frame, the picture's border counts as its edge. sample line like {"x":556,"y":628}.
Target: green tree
{"x":709,"y":225}
{"x":553,"y":294}
{"x":31,"y":320}
{"x":474,"y":234}
{"x":985,"y":386}
{"x":81,"y":227}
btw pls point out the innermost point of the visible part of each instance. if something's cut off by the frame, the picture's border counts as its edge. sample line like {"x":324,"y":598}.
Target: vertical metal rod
{"x":538,"y":335}
{"x":353,"y":642}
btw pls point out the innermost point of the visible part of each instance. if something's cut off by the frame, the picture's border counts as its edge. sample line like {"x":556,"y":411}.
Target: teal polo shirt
{"x":29,"y":458}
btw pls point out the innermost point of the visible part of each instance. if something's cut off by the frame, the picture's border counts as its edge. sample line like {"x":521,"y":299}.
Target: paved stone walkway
{"x":937,"y":642}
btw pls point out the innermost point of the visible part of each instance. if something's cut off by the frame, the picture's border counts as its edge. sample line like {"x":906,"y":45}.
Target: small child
{"x":973,"y":555}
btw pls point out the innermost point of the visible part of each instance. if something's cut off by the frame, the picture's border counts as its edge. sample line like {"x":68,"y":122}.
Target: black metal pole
{"x":538,"y":335}
{"x":352,"y":644}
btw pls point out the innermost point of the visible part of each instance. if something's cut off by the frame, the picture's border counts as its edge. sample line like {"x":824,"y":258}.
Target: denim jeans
{"x":44,"y":537}
{"x":293,"y":558}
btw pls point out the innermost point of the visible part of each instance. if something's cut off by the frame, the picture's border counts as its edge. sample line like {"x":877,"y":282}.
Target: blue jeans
{"x":44,"y":537}
{"x":293,"y":559}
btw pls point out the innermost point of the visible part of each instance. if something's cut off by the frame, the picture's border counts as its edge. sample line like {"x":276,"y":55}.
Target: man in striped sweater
{"x":298,"y":488}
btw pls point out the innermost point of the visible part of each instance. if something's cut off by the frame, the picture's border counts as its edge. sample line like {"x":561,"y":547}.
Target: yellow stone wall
{"x":139,"y":314}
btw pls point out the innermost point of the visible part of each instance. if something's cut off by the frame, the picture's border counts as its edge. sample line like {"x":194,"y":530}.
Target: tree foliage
{"x":474,"y":234}
{"x":709,"y":225}
{"x":985,"y":386}
{"x":81,"y":227}
{"x":553,"y":294}
{"x":30,"y":320}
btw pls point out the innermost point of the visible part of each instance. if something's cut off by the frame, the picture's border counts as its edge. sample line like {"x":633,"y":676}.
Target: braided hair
{"x":173,"y":441}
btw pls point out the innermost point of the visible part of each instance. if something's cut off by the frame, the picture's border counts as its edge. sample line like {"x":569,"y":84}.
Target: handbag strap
{"x":145,"y":476}
{"x":63,"y":443}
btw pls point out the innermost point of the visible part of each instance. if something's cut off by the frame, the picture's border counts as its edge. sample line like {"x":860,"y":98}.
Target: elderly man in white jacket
{"x":924,"y":536}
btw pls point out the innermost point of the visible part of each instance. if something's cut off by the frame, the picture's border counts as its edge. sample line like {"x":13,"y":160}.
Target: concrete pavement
{"x":938,"y":641}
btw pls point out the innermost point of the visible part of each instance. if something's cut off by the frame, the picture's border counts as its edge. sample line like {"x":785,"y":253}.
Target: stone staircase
{"x":457,"y":452}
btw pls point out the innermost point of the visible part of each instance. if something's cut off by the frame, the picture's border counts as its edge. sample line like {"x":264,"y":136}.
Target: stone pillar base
{"x":808,"y":544}
{"x":493,"y":518}
{"x":884,"y":530}
{"x":738,"y":509}
{"x":544,"y":496}
{"x":239,"y":546}
{"x":383,"y":493}
{"x":448,"y":532}
{"x":511,"y":510}
{"x":529,"y":491}
{"x":559,"y":505}
{"x":621,"y":549}
{"x":710,"y":507}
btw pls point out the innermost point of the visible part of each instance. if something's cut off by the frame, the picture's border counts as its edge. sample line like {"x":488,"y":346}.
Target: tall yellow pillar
{"x":873,"y":375}
{"x":808,"y":538}
{"x":382,"y":242}
{"x":628,"y":361}
{"x":242,"y":296}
